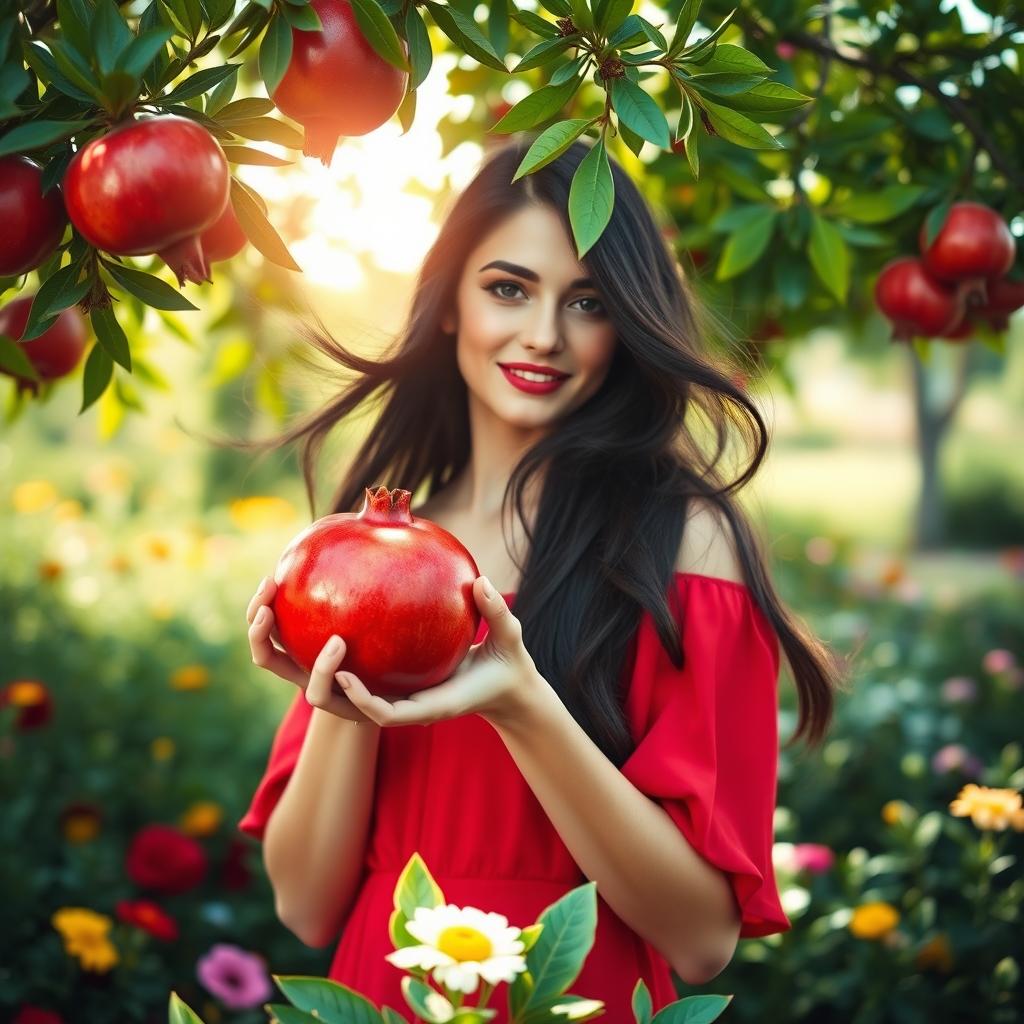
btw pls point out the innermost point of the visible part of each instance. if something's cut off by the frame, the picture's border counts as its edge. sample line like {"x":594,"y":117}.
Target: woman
{"x":618,"y":720}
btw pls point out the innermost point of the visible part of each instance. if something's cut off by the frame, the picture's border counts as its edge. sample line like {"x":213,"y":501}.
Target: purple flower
{"x":813,"y":857}
{"x":959,"y":690}
{"x":237,"y":978}
{"x":955,"y":757}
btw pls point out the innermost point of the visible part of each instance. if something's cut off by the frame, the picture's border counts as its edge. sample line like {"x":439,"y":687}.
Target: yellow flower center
{"x":461,"y":942}
{"x":26,"y":693}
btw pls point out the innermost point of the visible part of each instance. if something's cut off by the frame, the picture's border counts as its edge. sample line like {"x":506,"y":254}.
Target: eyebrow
{"x":530,"y":275}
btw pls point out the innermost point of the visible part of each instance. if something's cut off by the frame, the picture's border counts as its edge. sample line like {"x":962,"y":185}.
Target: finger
{"x":423,"y":708}
{"x":320,"y":689}
{"x":264,"y":595}
{"x":266,"y":655}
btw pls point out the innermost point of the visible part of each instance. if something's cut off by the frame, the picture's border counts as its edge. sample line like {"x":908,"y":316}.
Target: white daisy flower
{"x":461,"y":946}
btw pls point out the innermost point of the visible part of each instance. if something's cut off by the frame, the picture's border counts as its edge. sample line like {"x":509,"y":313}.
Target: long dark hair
{"x":617,"y":473}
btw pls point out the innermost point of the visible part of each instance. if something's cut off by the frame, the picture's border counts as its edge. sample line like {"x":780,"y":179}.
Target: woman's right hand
{"x":320,"y":687}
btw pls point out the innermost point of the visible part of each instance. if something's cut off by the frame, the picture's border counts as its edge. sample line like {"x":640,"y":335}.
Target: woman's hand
{"x":497,"y":679}
{"x":268,"y":653}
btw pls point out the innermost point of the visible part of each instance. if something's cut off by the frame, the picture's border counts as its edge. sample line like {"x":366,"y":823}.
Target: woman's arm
{"x":315,"y":839}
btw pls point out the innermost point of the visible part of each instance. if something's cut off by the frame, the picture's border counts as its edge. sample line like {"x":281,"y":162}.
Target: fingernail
{"x":343,"y":680}
{"x":333,"y":644}
{"x":489,"y":590}
{"x":263,"y":584}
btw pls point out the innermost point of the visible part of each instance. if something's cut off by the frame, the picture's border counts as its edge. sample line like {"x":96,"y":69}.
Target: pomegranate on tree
{"x":336,"y":83}
{"x":56,"y":352}
{"x":149,"y":186}
{"x":220,"y":241}
{"x":33,"y":224}
{"x":1004,"y":297}
{"x":915,"y":302}
{"x":398,"y":589}
{"x":973,"y":244}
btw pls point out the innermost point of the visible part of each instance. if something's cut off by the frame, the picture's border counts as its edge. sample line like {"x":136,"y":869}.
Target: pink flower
{"x":954,"y":757}
{"x":813,"y":857}
{"x":787,"y":51}
{"x":998,"y":661}
{"x":959,"y":690}
{"x":237,"y":978}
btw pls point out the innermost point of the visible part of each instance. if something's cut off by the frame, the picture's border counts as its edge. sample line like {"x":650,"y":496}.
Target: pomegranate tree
{"x":32,"y":223}
{"x":149,"y":186}
{"x":336,"y":84}
{"x":915,"y":302}
{"x":973,"y":244}
{"x":55,"y":352}
{"x":396,"y":588}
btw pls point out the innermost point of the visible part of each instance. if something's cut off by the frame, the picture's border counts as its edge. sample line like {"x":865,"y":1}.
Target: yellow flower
{"x":162,"y":748}
{"x":897,"y":811}
{"x":261,"y":513}
{"x":989,"y":808}
{"x":874,"y":920}
{"x":26,"y":693}
{"x":937,"y":953}
{"x":190,"y":677}
{"x":157,"y":546}
{"x":34,"y":496}
{"x":85,"y":936}
{"x":202,"y":819}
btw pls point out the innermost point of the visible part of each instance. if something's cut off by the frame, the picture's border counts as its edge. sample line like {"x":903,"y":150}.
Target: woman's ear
{"x":448,"y":324}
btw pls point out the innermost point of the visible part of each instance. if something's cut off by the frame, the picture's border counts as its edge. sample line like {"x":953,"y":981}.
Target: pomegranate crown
{"x":387,"y":506}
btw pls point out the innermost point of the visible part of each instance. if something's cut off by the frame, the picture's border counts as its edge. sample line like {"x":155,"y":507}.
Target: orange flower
{"x":936,"y":954}
{"x":80,"y":822}
{"x":202,"y":818}
{"x":989,"y":808}
{"x":874,"y":920}
{"x":33,"y":701}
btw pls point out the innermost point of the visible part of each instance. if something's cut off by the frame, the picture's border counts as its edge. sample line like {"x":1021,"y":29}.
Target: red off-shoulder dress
{"x":706,"y":751}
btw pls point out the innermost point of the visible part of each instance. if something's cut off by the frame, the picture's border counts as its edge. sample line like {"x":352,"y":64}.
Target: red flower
{"x":235,"y":873}
{"x":160,"y":857}
{"x":33,"y":701}
{"x":34,"y":1015}
{"x":149,"y":917}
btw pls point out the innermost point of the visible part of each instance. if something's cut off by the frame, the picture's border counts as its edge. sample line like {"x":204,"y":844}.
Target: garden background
{"x":130,"y":546}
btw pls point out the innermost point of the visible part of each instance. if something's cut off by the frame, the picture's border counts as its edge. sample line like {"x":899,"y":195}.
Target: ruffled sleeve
{"x":284,"y":754}
{"x":707,"y":736}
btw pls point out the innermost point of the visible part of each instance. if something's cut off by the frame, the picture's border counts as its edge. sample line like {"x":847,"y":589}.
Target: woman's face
{"x":523,"y":299}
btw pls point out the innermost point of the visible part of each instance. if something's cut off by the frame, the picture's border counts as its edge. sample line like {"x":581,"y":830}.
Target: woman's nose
{"x":545,"y":332}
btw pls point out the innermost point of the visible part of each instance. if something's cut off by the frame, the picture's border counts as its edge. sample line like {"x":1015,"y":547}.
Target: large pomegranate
{"x":149,"y":186}
{"x":336,"y":83}
{"x":396,"y":588}
{"x":56,"y":352}
{"x":973,"y":244}
{"x":1004,"y":297}
{"x":32,"y":223}
{"x":220,"y":241}
{"x":915,"y":302}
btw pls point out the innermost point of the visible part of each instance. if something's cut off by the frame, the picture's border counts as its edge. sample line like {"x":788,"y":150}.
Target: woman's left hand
{"x":497,"y":679}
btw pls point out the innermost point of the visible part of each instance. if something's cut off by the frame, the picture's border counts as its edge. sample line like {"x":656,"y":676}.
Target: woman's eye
{"x":597,"y":308}
{"x":498,"y":285}
{"x":496,"y":288}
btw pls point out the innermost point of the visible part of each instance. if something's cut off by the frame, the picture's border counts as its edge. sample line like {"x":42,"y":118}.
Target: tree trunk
{"x":934,"y":416}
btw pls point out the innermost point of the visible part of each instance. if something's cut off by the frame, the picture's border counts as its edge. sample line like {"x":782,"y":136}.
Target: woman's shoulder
{"x":708,"y":548}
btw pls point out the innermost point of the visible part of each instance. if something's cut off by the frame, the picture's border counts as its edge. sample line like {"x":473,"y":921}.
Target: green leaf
{"x":275,"y":52}
{"x":571,"y":69}
{"x":111,"y":336}
{"x":551,"y":144}
{"x":416,"y":995}
{"x":570,"y":923}
{"x":693,"y":1010}
{"x":538,"y":107}
{"x":407,"y":111}
{"x":200,"y":82}
{"x":463,"y":31}
{"x":379,"y":32}
{"x":282,"y":1013}
{"x":639,"y":112}
{"x":770,"y":98}
{"x":535,"y":23}
{"x":829,"y":256}
{"x":559,"y":8}
{"x":141,"y":52}
{"x":641,"y":1003}
{"x":630,"y":33}
{"x":99,"y":369}
{"x":244,"y":109}
{"x":881,"y":206}
{"x":179,"y":1012}
{"x":654,"y":34}
{"x":421,"y":54}
{"x":700,"y":48}
{"x":36,"y":134}
{"x":267,"y":129}
{"x":497,"y":26}
{"x":258,"y":229}
{"x":634,"y":142}
{"x":730,"y":58}
{"x":245,"y":155}
{"x":934,"y":221}
{"x":45,"y":66}
{"x":328,"y":1001}
{"x":74,"y":67}
{"x":150,"y":289}
{"x":304,"y":18}
{"x":73,"y":19}
{"x":684,"y":26}
{"x":60,"y":291}
{"x":221,"y":96}
{"x":745,"y":245}
{"x":863,"y":238}
{"x":110,"y":35}
{"x":685,"y":123}
{"x":736,"y":128}
{"x":416,"y":887}
{"x":612,"y":13}
{"x":544,"y":52}
{"x":724,"y":83}
{"x":14,"y":361}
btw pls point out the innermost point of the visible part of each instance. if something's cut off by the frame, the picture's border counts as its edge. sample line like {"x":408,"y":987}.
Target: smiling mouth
{"x":537,"y":378}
